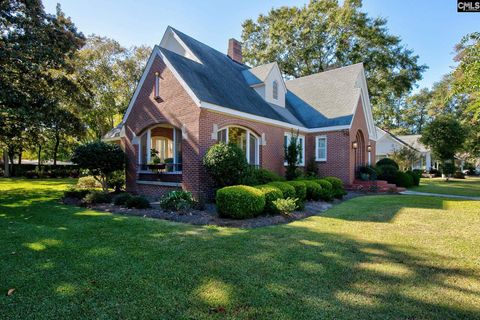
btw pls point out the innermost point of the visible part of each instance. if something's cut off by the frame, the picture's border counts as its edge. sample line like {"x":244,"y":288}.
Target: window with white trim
{"x":301,"y":140}
{"x":275,"y":89}
{"x":160,"y":147}
{"x":245,"y":139}
{"x":321,"y":148}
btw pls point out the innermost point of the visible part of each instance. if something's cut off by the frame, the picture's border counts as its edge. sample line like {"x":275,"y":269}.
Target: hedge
{"x":387,"y":162}
{"x":327,"y":189}
{"x":314,"y":190}
{"x":415,"y":176}
{"x":403,"y":179}
{"x":240,"y":202}
{"x":271,"y":194}
{"x":287,"y":190}
{"x":300,"y":192}
{"x":337,"y":187}
{"x":258,"y":176}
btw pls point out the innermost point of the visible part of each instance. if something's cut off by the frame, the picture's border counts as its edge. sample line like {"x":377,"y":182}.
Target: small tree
{"x":445,"y":137}
{"x":292,"y":154}
{"x":225,"y":163}
{"x":100,"y":159}
{"x":405,"y":157}
{"x":311,"y":169}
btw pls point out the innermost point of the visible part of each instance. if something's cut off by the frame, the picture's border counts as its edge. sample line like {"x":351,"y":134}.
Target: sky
{"x":430,"y":28}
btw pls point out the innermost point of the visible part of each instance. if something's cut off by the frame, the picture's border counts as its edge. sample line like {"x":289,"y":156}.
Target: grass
{"x":462,"y":187}
{"x":375,"y":257}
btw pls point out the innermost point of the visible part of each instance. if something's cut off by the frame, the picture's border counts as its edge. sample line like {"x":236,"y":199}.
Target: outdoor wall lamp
{"x":369,"y":148}
{"x":354,"y":145}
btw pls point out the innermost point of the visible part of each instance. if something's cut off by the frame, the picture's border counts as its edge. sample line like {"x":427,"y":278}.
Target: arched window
{"x":275,"y":89}
{"x":161,"y":148}
{"x":244,"y":138}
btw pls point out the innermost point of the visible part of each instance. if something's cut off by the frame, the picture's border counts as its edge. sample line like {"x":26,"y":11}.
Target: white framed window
{"x":245,"y":139}
{"x":161,"y":145}
{"x":275,"y":89}
{"x":321,"y":148}
{"x":157,"y":85}
{"x":301,"y":140}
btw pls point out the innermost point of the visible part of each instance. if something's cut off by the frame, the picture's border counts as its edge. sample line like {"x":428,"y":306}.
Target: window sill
{"x":160,"y":183}
{"x":321,"y":160}
{"x":162,"y":172}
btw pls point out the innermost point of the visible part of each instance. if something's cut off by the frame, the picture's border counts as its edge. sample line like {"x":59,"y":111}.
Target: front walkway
{"x":439,"y":195}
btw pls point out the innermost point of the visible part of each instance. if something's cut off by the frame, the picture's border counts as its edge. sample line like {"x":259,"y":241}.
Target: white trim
{"x":160,"y":183}
{"x":247,"y":146}
{"x":316,"y":148}
{"x":170,"y":32}
{"x":367,"y":107}
{"x":300,"y":136}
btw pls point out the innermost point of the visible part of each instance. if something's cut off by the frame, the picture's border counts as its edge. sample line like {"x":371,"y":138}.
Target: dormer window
{"x":157,"y":85}
{"x":275,"y":89}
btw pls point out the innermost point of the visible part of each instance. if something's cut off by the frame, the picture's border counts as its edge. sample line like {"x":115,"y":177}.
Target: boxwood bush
{"x":287,"y":190}
{"x":338,"y":191}
{"x":121,"y":199}
{"x":300,"y":192}
{"x":387,"y":162}
{"x":403,"y":179}
{"x":271,"y":194}
{"x":314,"y":190}
{"x":137,"y":202}
{"x":257,"y":176}
{"x":240,"y":202}
{"x":387,"y":172}
{"x":97,"y":197}
{"x":327,"y":189}
{"x":76,"y":193}
{"x":415,"y":176}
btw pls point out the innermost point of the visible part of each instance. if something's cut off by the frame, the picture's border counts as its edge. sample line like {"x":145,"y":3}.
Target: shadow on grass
{"x":67,"y":261}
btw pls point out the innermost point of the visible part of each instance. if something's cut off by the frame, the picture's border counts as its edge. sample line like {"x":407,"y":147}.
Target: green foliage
{"x":137,"y":202}
{"x":367,"y":173}
{"x":447,"y":168}
{"x":121,"y":199}
{"x":415,"y":176}
{"x":253,"y":176}
{"x":240,"y":202}
{"x":76,"y":193}
{"x":88,"y":182}
{"x":338,"y":191}
{"x":116,"y":180}
{"x":324,"y":34}
{"x":387,"y":172}
{"x":97,"y":197}
{"x":292,"y":155}
{"x":177,"y":200}
{"x":327,"y":189}
{"x":285,"y":206}
{"x":225,"y":163}
{"x":311,"y":169}
{"x":287,"y":189}
{"x":300,"y":192}
{"x":387,"y":161}
{"x":271,"y":194}
{"x":314,"y":190}
{"x":405,"y":157}
{"x":100,"y":159}
{"x":403,"y":179}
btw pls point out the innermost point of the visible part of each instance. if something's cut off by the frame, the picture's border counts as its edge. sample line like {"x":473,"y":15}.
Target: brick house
{"x":191,"y":96}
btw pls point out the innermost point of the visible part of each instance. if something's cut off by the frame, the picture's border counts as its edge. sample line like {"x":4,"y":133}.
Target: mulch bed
{"x":209,"y":215}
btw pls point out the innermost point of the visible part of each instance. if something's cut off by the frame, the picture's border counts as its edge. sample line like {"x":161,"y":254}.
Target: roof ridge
{"x":327,"y":71}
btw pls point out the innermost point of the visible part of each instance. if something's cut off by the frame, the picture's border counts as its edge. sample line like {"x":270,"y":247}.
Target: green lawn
{"x":379,"y":257}
{"x":462,"y":187}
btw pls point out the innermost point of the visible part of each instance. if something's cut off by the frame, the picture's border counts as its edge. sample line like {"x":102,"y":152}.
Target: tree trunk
{"x":55,"y":150}
{"x":6,"y":173}
{"x":20,"y":156}
{"x":11,"y":155}
{"x":39,"y":155}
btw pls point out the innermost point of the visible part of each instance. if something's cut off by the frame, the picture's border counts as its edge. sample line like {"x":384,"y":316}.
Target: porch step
{"x":379,"y":186}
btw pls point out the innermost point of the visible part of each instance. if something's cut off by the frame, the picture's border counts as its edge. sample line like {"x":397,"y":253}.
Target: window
{"x":157,"y":85}
{"x":244,"y":138}
{"x":321,"y":148}
{"x":275,"y":89}
{"x":301,"y":141}
{"x":161,"y":146}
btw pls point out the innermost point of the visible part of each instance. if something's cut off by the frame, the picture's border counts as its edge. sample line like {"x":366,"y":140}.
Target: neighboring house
{"x":191,"y":96}
{"x":387,"y":143}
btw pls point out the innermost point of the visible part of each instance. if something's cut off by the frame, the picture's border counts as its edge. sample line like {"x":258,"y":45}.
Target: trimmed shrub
{"x":271,"y":194}
{"x":287,"y":190}
{"x":76,"y":193}
{"x":327,"y":189}
{"x":403,"y":179}
{"x":88,"y":182}
{"x":415,"y":176}
{"x":225,"y":164}
{"x":337,"y":187}
{"x":97,"y":197}
{"x":387,"y":161}
{"x":285,"y":206}
{"x":240,"y":202}
{"x":366,"y":173}
{"x":116,"y":181}
{"x":257,"y":176}
{"x":314,"y":190}
{"x":137,"y":202}
{"x":459,"y":175}
{"x":178,"y":200}
{"x":387,"y":173}
{"x":121,"y":199}
{"x":300,"y":192}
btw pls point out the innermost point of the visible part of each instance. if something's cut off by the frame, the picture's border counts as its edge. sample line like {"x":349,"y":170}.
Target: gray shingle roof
{"x":414,"y":141}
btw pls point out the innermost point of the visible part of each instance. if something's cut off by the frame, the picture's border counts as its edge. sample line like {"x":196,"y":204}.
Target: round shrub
{"x":337,"y":187}
{"x":240,"y":202}
{"x":300,"y":192}
{"x":314,"y":190}
{"x":97,"y":197}
{"x":415,"y":176}
{"x":88,"y":182}
{"x":327,"y":189}
{"x":76,"y":193}
{"x":225,"y":164}
{"x":285,"y":206}
{"x":403,"y":179}
{"x":257,"y":176}
{"x":137,"y":202}
{"x":388,"y":162}
{"x":287,"y":190}
{"x":271,"y":194}
{"x":387,"y":173}
{"x":177,"y":201}
{"x":121,"y":199}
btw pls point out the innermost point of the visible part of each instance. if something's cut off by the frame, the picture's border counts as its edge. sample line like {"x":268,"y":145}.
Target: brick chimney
{"x":235,"y":50}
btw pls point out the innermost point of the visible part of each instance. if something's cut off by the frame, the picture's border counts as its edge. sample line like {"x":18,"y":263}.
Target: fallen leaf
{"x":10,"y":291}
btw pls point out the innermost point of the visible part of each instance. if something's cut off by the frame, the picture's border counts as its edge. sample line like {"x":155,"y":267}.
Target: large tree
{"x":323,"y":35}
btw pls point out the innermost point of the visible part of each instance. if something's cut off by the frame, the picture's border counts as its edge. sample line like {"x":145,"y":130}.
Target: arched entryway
{"x":360,"y":150}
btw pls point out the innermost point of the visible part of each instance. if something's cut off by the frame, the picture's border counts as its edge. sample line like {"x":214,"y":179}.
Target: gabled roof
{"x":258,"y":74}
{"x":398,"y":139}
{"x":414,"y":141}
